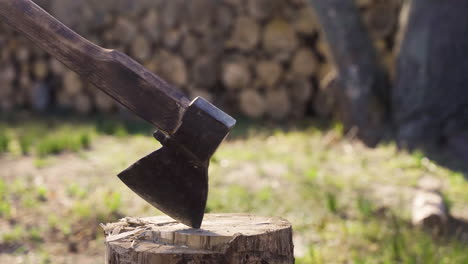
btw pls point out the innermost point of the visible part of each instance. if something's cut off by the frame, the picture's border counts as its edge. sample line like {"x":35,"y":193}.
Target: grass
{"x":45,"y":136}
{"x":347,"y":203}
{"x":61,"y":142}
{"x":4,"y":141}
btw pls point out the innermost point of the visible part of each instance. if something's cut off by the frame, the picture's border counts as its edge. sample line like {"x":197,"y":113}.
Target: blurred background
{"x":352,"y":124}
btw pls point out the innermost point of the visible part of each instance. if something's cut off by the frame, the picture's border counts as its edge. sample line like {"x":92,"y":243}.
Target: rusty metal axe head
{"x":174,"y":178}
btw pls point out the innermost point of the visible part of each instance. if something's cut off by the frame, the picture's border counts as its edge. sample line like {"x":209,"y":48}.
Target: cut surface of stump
{"x":223,"y":238}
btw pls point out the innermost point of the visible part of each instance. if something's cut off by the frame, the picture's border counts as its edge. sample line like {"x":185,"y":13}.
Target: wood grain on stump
{"x":223,"y":238}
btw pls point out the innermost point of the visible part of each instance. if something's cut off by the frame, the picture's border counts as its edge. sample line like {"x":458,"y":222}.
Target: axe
{"x":174,"y":178}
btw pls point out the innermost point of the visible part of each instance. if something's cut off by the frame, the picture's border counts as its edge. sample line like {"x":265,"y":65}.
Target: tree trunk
{"x":363,"y":82}
{"x":430,"y":95}
{"x":223,"y":239}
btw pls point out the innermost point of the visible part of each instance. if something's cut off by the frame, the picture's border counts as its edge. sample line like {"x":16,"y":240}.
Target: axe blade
{"x":172,"y":182}
{"x":174,"y":178}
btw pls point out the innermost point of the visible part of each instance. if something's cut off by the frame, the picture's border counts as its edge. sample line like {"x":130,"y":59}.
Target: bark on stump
{"x":223,"y":238}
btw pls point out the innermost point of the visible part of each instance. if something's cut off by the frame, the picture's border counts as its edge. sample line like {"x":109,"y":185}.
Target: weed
{"x":76,"y":191}
{"x":14,"y":236}
{"x":332,"y":203}
{"x":314,"y":256}
{"x":34,"y":234}
{"x":45,"y":258}
{"x":61,"y":142}
{"x":50,"y":145}
{"x":29,"y":201}
{"x":111,"y":127}
{"x":338,"y":128}
{"x":85,"y":140}
{"x":365,"y":207}
{"x":113,"y":201}
{"x":4,"y":141}
{"x":65,"y":228}
{"x":4,"y":203}
{"x":53,"y":221}
{"x":312,"y":174}
{"x":25,"y":144}
{"x":120,"y":131}
{"x":5,"y":209}
{"x":82,"y":210}
{"x":264,"y":195}
{"x":42,"y":162}
{"x":41,"y":193}
{"x":418,"y":157}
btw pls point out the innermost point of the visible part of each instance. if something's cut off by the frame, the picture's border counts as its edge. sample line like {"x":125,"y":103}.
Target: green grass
{"x":4,"y":140}
{"x":5,"y":206}
{"x":61,"y":142}
{"x":347,"y":203}
{"x":45,"y":136}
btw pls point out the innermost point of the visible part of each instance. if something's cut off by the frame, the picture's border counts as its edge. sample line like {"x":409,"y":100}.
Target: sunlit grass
{"x":347,"y":203}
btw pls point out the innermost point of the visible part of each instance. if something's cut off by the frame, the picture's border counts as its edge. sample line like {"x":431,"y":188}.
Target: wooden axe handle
{"x":113,"y":72}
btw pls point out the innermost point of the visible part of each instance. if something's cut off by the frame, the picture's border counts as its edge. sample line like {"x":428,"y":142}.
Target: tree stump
{"x":223,"y":238}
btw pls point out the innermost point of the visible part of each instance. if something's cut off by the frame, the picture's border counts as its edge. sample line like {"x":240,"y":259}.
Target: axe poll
{"x":174,"y":178}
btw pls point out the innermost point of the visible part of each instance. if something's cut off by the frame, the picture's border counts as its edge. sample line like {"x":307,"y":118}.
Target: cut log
{"x":6,"y":95}
{"x":280,"y":39}
{"x":197,"y":92}
{"x":6,"y":90}
{"x":64,"y":100}
{"x":236,"y":74}
{"x":224,"y":18}
{"x":223,"y":239}
{"x":304,"y":63}
{"x":173,"y":37}
{"x":40,"y":96}
{"x":82,"y":104}
{"x":103,"y":103}
{"x":173,"y":12}
{"x":262,"y":9}
{"x":305,"y":22}
{"x":246,"y":34}
{"x":22,"y":53}
{"x":204,"y":72}
{"x":200,"y":15}
{"x":299,"y":89}
{"x":72,"y":83}
{"x":151,"y":25}
{"x":325,"y":99}
{"x":7,"y":73}
{"x":57,"y":67}
{"x":141,"y":48}
{"x":268,"y":72}
{"x":124,"y":31}
{"x":190,"y":47}
{"x":364,"y":3}
{"x":172,"y":68}
{"x":429,"y":210}
{"x":278,"y":104}
{"x":40,"y":69}
{"x":252,"y":104}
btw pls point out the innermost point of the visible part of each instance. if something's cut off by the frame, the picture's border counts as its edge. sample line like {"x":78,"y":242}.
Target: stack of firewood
{"x":262,"y":58}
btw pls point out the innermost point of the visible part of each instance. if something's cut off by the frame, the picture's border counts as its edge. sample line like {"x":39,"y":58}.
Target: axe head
{"x":174,"y":178}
